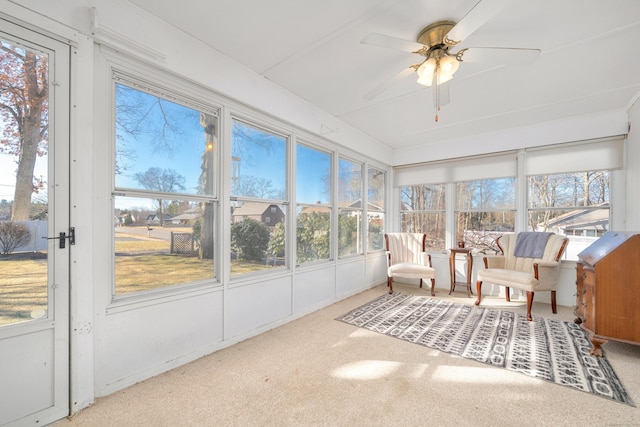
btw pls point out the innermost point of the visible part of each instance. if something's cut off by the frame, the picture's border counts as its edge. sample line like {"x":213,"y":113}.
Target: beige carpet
{"x":317,"y":371}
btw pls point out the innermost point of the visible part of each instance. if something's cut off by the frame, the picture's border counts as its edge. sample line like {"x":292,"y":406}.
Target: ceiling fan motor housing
{"x":433,"y":35}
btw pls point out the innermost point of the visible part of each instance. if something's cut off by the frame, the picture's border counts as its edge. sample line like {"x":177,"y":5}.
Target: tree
{"x":24,"y":91}
{"x":277,"y":240}
{"x":261,"y":188}
{"x":13,"y":236}
{"x":313,"y":237}
{"x":250,"y":239}
{"x":161,"y":180}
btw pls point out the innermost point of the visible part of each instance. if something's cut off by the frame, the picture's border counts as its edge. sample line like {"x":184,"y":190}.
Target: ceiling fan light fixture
{"x":448,"y":66}
{"x":426,"y":71}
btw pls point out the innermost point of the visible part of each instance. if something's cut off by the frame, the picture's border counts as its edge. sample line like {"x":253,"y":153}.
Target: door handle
{"x":63,"y":237}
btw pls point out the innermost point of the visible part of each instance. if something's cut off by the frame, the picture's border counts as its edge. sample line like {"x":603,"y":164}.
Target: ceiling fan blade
{"x":474,"y":19}
{"x":499,"y":55}
{"x":388,"y":83}
{"x":381,"y":40}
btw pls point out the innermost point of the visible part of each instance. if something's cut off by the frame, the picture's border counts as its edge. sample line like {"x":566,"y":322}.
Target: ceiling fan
{"x":436,"y":42}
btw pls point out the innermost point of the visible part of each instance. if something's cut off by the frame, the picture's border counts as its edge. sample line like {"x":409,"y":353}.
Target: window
{"x":313,"y":196}
{"x":259,"y":199}
{"x":164,"y":191}
{"x":485,"y":209}
{"x":375,"y":209}
{"x":349,"y":208}
{"x":572,"y":204}
{"x":423,"y":210}
{"x":26,"y":214}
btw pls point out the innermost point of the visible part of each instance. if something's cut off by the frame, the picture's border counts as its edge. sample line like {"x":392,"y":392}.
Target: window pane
{"x":423,"y":198}
{"x":24,"y":202}
{"x":313,"y":193}
{"x":479,"y":230}
{"x":486,"y":194}
{"x":375,"y":191}
{"x":430,"y":223}
{"x":569,"y":190}
{"x":350,"y":183}
{"x":313,"y":235}
{"x":157,"y":247}
{"x":162,"y":146}
{"x":575,"y":205}
{"x":350,"y":211}
{"x":422,"y":210}
{"x":259,"y":162}
{"x":485,"y":210}
{"x":375,"y":232}
{"x":257,"y":236}
{"x":349,"y":235}
{"x":313,"y":176}
{"x":375,"y":209}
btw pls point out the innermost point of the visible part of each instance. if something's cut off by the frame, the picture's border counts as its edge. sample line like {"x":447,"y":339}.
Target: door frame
{"x":52,"y":332}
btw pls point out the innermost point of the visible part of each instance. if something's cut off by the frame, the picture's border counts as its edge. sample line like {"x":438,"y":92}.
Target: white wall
{"x":604,"y":124}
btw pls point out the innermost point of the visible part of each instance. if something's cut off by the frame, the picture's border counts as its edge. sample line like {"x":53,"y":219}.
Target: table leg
{"x":452,"y":271}
{"x":469,"y":270}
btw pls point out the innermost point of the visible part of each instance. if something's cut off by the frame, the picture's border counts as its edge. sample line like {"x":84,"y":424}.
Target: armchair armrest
{"x":547,"y":274}
{"x":426,"y":259}
{"x":388,"y":258}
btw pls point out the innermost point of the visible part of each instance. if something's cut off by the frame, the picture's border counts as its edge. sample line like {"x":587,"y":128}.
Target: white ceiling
{"x":589,"y":61}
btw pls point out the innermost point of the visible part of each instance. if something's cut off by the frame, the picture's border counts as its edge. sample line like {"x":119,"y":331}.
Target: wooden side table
{"x":452,"y":268}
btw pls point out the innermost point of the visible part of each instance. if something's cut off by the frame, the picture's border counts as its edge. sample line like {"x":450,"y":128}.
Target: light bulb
{"x":448,"y":66}
{"x":425,"y":72}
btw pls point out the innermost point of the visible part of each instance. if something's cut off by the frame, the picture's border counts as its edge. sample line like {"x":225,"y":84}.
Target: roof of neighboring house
{"x":154,"y":216}
{"x":186,"y":216}
{"x":581,"y":218}
{"x":251,"y":208}
{"x":373,"y":206}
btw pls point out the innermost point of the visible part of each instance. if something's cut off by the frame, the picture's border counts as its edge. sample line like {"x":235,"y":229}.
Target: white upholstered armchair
{"x":406,"y":258}
{"x":529,"y":262}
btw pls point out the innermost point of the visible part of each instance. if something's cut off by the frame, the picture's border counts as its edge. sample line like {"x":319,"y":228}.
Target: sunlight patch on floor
{"x":366,"y":370}
{"x":479,"y":375}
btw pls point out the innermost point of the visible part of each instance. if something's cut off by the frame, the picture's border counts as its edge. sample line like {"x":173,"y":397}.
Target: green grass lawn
{"x":23,"y":288}
{"x":141,"y":263}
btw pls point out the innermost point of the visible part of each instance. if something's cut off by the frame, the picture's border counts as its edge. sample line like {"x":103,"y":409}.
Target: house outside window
{"x":258,"y":188}
{"x":164,"y":194}
{"x":314,"y":207}
{"x":350,"y":209}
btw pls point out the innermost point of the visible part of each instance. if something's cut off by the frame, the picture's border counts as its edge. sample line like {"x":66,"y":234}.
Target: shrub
{"x":13,"y":236}
{"x":250,"y":238}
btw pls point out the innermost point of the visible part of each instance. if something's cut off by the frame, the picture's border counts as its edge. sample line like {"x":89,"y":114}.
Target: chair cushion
{"x":411,"y":270}
{"x":510,"y":278}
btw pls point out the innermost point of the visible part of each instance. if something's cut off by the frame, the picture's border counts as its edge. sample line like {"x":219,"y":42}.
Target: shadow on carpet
{"x":551,"y":350}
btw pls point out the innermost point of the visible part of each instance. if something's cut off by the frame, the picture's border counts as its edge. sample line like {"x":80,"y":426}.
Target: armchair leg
{"x":529,"y":304}
{"x":507,"y":292}
{"x":554,"y":308}
{"x":420,"y":283}
{"x":433,"y":286}
{"x":390,"y":284}
{"x":478,"y":291}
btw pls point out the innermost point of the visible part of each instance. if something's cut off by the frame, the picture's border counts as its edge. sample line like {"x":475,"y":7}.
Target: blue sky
{"x":151,"y":134}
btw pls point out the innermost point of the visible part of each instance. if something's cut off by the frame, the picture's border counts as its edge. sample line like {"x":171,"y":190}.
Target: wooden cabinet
{"x":608,"y":289}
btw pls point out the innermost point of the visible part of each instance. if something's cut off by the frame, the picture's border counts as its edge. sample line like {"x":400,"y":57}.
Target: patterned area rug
{"x":552,"y":350}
